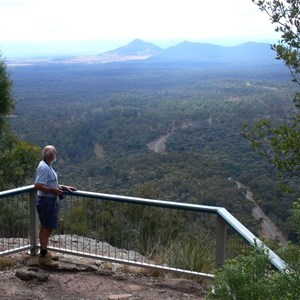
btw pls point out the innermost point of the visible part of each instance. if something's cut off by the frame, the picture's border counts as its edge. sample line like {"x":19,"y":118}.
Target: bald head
{"x":48,"y":151}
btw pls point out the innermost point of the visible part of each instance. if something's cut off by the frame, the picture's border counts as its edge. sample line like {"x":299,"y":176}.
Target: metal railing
{"x":162,"y":235}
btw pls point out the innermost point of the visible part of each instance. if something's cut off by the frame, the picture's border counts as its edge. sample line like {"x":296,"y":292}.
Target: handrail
{"x":247,"y":235}
{"x":147,"y":202}
{"x":17,"y":191}
{"x":221,"y":212}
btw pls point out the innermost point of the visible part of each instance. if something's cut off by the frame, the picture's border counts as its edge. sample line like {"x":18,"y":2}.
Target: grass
{"x":6,"y":262}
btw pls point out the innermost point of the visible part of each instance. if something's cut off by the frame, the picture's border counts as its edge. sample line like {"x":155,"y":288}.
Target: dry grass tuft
{"x":6,"y":262}
{"x":143,"y":271}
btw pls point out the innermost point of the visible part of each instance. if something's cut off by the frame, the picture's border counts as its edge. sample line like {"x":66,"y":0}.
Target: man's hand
{"x":68,"y":188}
{"x":58,"y":191}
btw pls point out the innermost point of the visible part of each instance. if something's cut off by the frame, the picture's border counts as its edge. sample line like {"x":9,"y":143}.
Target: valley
{"x":161,"y":130}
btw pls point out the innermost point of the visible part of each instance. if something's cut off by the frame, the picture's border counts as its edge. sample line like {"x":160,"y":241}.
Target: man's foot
{"x":53,"y":256}
{"x":46,"y":261}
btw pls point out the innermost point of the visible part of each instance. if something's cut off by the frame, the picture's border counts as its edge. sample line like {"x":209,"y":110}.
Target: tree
{"x":17,"y":157}
{"x":285,"y":14}
{"x":7,"y":102}
{"x":18,"y":160}
{"x":280,"y":144}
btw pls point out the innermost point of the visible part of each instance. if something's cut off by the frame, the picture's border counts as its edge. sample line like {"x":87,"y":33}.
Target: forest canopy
{"x":101,"y":118}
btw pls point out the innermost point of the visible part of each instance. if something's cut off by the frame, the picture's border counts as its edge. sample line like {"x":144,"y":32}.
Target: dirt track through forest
{"x":268,"y":228}
{"x":159,"y":145}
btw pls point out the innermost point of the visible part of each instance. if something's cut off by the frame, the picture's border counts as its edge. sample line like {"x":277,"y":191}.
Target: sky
{"x":222,"y":22}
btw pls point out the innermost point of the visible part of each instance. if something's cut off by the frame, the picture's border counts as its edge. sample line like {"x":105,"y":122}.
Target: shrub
{"x":252,"y":278}
{"x":190,"y":253}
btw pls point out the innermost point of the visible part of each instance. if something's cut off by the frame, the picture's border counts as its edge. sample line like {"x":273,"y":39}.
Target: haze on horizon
{"x":93,"y":26}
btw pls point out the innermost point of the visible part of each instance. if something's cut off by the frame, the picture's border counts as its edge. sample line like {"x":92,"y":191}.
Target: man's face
{"x":53,"y":158}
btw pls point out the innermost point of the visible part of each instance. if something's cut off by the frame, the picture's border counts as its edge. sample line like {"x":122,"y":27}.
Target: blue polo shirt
{"x":46,"y":176}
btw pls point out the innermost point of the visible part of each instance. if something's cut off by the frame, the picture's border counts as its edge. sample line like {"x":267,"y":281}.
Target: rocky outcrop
{"x":85,"y":278}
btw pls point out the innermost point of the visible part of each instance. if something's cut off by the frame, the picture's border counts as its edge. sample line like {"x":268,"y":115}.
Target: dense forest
{"x":102,"y":117}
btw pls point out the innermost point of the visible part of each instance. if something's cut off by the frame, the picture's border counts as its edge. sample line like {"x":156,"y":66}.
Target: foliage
{"x":143,"y":228}
{"x":18,"y":160}
{"x":243,"y":278}
{"x":295,"y":215}
{"x":7,"y":101}
{"x":285,"y":14}
{"x":195,"y":253}
{"x":281,"y":147}
{"x":280,"y":143}
{"x":17,"y":157}
{"x":14,"y":221}
{"x":101,"y":118}
{"x":251,"y":278}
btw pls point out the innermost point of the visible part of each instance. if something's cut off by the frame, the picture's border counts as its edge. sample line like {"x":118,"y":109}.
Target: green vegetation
{"x":177,"y":238}
{"x":6,"y":99}
{"x":14,"y":221}
{"x":277,"y":141}
{"x":17,"y":162}
{"x":101,"y":118}
{"x":192,"y":254}
{"x":17,"y":157}
{"x":250,"y":277}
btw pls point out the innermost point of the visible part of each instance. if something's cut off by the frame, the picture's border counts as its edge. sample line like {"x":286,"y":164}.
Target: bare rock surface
{"x":79,"y":278}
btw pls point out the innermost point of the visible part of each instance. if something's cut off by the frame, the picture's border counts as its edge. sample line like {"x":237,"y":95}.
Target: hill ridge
{"x":251,"y":53}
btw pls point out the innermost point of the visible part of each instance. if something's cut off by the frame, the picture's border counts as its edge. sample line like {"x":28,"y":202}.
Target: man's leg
{"x":44,"y":237}
{"x":45,"y":258}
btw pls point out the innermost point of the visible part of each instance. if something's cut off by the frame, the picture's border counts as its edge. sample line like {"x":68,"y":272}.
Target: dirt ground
{"x":80,"y":278}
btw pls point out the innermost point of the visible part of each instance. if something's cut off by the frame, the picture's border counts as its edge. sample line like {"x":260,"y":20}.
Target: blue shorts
{"x":48,"y":209}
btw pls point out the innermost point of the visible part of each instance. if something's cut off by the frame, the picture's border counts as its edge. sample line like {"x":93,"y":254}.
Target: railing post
{"x":33,"y":225}
{"x":221,"y":242}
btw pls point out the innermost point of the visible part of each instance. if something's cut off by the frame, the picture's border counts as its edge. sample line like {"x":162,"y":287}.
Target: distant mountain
{"x":136,"y":47}
{"x":135,"y":50}
{"x":191,"y":51}
{"x":247,"y":53}
{"x":251,"y":54}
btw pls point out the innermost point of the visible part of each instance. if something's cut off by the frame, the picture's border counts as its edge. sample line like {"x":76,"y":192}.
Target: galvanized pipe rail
{"x":224,"y":219}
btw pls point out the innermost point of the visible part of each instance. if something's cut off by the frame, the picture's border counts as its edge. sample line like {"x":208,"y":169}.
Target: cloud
{"x":118,"y":19}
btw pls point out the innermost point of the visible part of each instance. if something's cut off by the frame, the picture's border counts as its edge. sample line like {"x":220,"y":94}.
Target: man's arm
{"x":44,"y":188}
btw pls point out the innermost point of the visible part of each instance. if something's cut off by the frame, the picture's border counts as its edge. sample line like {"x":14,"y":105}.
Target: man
{"x":48,"y":190}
